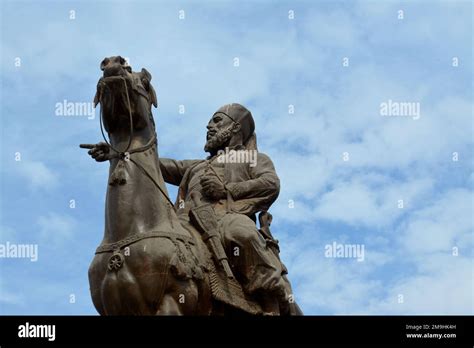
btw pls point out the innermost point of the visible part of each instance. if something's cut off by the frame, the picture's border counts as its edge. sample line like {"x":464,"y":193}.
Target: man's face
{"x":218,"y":132}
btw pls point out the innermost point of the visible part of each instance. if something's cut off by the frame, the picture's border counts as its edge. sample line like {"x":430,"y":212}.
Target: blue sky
{"x":282,"y":62}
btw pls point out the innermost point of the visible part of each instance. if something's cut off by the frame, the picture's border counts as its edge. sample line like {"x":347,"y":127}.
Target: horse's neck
{"x":120,"y":139}
{"x":138,"y":204}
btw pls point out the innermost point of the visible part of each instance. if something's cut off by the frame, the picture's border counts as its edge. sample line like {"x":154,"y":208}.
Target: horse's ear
{"x":152,"y":93}
{"x":104,"y":63}
{"x":97,"y":96}
{"x":146,"y":74}
{"x":146,"y":79}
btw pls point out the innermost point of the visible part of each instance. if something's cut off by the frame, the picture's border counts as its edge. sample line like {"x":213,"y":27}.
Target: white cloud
{"x":336,"y":110}
{"x":38,"y":175}
{"x":441,"y":225}
{"x":7,"y":234}
{"x":416,"y":259}
{"x":447,"y":288}
{"x":336,"y":286}
{"x":358,"y":203}
{"x":10,"y":298}
{"x":56,"y":228}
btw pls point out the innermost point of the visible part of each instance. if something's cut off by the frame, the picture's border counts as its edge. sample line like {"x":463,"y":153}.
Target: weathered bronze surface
{"x":203,"y":254}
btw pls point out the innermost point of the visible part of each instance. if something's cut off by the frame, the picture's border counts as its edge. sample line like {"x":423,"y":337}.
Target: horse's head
{"x":121,"y":91}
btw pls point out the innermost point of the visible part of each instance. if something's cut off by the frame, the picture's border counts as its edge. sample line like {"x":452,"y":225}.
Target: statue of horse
{"x":147,"y":262}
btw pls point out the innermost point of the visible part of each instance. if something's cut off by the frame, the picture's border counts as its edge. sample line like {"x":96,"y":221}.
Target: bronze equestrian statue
{"x":203,"y":254}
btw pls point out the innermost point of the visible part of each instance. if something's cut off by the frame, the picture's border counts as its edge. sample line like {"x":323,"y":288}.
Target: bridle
{"x":116,"y":260}
{"x":126,"y":152}
{"x":126,"y":155}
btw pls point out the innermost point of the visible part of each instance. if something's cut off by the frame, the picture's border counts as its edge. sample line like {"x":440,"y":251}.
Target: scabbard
{"x":204,"y":219}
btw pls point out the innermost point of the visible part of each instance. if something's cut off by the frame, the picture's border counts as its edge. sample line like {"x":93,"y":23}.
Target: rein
{"x":125,"y":155}
{"x":131,"y":122}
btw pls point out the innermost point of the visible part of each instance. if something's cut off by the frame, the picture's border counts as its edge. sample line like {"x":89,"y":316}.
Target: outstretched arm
{"x":173,"y":170}
{"x":100,"y":151}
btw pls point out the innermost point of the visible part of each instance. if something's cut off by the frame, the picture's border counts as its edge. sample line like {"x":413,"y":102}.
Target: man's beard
{"x":218,"y":141}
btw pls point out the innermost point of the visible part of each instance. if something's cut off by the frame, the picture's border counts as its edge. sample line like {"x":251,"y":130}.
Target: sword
{"x":204,"y":219}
